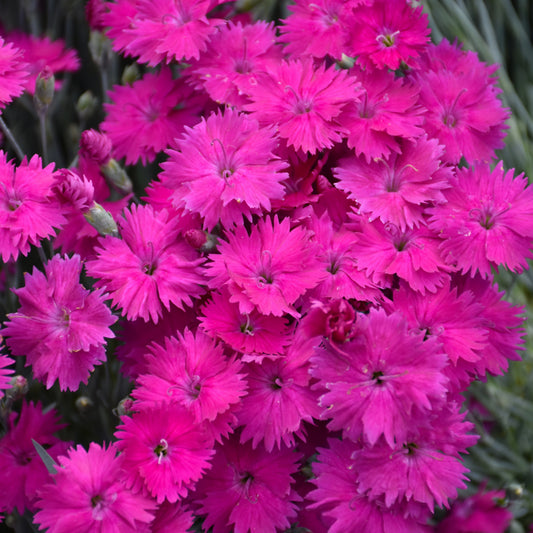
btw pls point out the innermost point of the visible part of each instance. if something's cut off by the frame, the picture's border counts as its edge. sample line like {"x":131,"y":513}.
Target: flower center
{"x":161,"y":450}
{"x":387,"y":38}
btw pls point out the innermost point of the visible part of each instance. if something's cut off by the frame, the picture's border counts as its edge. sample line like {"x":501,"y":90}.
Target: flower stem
{"x":11,"y":139}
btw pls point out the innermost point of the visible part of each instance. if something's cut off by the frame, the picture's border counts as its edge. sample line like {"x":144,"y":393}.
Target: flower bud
{"x":125,"y":407}
{"x":19,"y":387}
{"x":74,"y":189}
{"x":117,"y":177}
{"x":101,"y":220}
{"x":44,"y":89}
{"x":100,"y":48}
{"x":83,"y":404}
{"x":86,"y":105}
{"x":96,"y":146}
{"x":130,"y":74}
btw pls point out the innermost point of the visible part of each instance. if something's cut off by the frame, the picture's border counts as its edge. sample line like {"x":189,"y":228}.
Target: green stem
{"x":15,"y":145}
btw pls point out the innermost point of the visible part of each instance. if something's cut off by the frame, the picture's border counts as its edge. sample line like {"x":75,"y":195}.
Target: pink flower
{"x":387,"y":33}
{"x":234,"y":56}
{"x":487,"y":220}
{"x":145,"y":117}
{"x":29,"y":211}
{"x":41,"y":52}
{"x":304,"y":102}
{"x":166,"y":30}
{"x":249,"y":489}
{"x":339,"y":496}
{"x":463,"y":110}
{"x":60,"y":326}
{"x":397,"y":190}
{"x":149,"y":268}
{"x":165,"y":451}
{"x":483,"y":511}
{"x":14,"y":73}
{"x":412,"y":254}
{"x":6,"y":374}
{"x":279,"y":398}
{"x":378,"y":382}
{"x":172,"y":518}
{"x":22,"y":471}
{"x":225,"y":168}
{"x":388,"y":109}
{"x":268,"y":269}
{"x":88,"y":495}
{"x":192,"y":371}
{"x":250,"y":333}
{"x":319,"y":28}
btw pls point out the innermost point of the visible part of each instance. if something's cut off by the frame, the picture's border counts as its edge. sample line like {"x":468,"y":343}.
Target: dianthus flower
{"x":249,"y":489}
{"x":339,"y":497}
{"x":234,"y":55}
{"x":29,"y":211}
{"x":487,"y":220}
{"x":14,"y":73}
{"x":304,"y":102}
{"x":60,"y":326}
{"x":250,"y":333}
{"x":388,"y":109}
{"x":279,"y":398}
{"x":172,"y":518}
{"x":149,"y":268}
{"x":88,"y":495}
{"x":6,"y":374}
{"x":483,"y":511}
{"x":463,"y":110}
{"x":412,"y":254}
{"x":165,"y":30}
{"x":319,"y":28}
{"x":165,"y":451}
{"x":42,"y":52}
{"x":380,"y":380}
{"x":397,"y":190}
{"x":387,"y":33}
{"x":192,"y":371}
{"x":22,"y":471}
{"x":144,"y":118}
{"x":225,"y":168}
{"x":268,"y":269}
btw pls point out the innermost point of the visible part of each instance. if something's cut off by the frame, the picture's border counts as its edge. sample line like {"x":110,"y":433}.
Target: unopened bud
{"x":44,"y":89}
{"x":131,"y":74}
{"x":125,"y":407}
{"x":100,"y":48}
{"x":19,"y":387}
{"x":101,"y":220}
{"x":86,"y":105}
{"x":117,"y":177}
{"x":74,"y":189}
{"x":96,"y":146}
{"x":196,"y":237}
{"x":242,"y":6}
{"x":346,"y":61}
{"x":83,"y":404}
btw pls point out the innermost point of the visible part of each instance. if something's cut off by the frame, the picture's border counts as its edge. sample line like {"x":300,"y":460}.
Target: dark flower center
{"x":161,"y":450}
{"x":377,"y":377}
{"x":95,"y":500}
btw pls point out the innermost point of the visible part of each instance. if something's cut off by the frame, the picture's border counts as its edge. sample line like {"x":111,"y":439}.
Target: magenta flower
{"x":29,"y":211}
{"x":279,"y":398}
{"x":382,"y":379}
{"x":319,"y":28}
{"x":268,"y":269}
{"x":88,"y":495}
{"x":6,"y":374}
{"x":60,"y":326}
{"x":339,"y":497}
{"x":166,"y":30}
{"x":388,"y":109}
{"x":41,"y":53}
{"x":399,"y":189}
{"x":234,"y":56}
{"x":487,"y":220}
{"x":165,"y":451}
{"x":225,"y":168}
{"x":304,"y":102}
{"x":192,"y":371}
{"x":14,"y":73}
{"x":22,"y":471}
{"x":144,"y":118}
{"x":249,"y":489}
{"x":463,"y":110}
{"x":150,"y":268}
{"x":387,"y":33}
{"x":172,"y":518}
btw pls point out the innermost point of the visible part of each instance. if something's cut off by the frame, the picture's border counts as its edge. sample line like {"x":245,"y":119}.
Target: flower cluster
{"x":307,"y":284}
